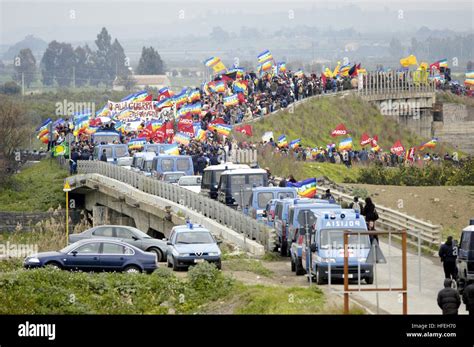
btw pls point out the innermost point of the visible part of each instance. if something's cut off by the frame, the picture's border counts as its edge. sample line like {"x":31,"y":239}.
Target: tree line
{"x":65,"y":66}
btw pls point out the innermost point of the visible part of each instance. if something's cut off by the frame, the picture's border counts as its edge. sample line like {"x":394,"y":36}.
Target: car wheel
{"x":53,"y":265}
{"x":168,"y":263}
{"x":293,"y":267}
{"x":219,"y":265}
{"x":319,"y":279}
{"x":132,"y":269}
{"x":299,"y":269}
{"x":283,"y":249}
{"x":369,"y":279}
{"x":175,"y":266}
{"x":157,"y":251}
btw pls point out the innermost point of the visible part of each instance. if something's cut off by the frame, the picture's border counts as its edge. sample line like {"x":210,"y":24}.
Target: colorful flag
{"x":295,"y":143}
{"x":281,"y":67}
{"x":267,"y":65}
{"x":264,"y":57}
{"x":470,"y":74}
{"x":171,"y":149}
{"x":397,"y":148}
{"x":345,"y":144}
{"x":429,"y":144}
{"x":469,"y":81}
{"x":194,"y":95}
{"x":136,"y":144}
{"x":244,"y":129}
{"x":231,"y":100}
{"x":222,"y":129}
{"x":339,"y":131}
{"x":410,"y":154}
{"x":240,"y":86}
{"x":299,"y":73}
{"x":267,"y":136}
{"x":305,"y":188}
{"x":218,"y":87}
{"x":200,"y":135}
{"x":181,"y":98}
{"x":61,"y":149}
{"x":182,"y":138}
{"x":443,"y":63}
{"x":282,"y":141}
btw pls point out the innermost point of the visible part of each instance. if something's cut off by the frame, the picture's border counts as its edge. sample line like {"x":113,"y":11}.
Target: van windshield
{"x":106,"y":138}
{"x":336,"y":239}
{"x":121,"y":151}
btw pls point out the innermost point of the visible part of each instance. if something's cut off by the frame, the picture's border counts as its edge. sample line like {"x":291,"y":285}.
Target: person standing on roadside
{"x":448,"y":255}
{"x":449,"y":299}
{"x":468,"y":298}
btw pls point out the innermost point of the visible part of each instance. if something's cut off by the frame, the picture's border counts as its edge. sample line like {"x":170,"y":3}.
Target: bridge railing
{"x":392,"y":83}
{"x":243,"y":156}
{"x":389,"y":219}
{"x":212,"y":209}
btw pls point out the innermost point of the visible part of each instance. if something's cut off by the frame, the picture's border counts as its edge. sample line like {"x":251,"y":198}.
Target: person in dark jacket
{"x":448,"y":255}
{"x":368,"y":211}
{"x":468,"y":298}
{"x":103,"y":157}
{"x":448,"y":298}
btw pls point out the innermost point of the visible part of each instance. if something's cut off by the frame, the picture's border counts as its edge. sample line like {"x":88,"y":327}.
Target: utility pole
{"x":23,"y":84}
{"x":74,"y":77}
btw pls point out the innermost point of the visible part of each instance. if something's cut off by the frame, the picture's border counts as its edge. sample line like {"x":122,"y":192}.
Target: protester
{"x":371,"y":215}
{"x":449,"y":299}
{"x":356,"y":205}
{"x":468,"y":298}
{"x":448,"y":255}
{"x":103,"y":157}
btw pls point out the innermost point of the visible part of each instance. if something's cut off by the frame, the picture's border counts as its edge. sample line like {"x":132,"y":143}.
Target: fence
{"x":389,"y":219}
{"x":243,"y":156}
{"x":391,"y":83}
{"x":212,"y":209}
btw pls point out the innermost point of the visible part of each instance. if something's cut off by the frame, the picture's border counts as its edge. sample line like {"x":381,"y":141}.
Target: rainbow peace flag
{"x":282,"y":141}
{"x":80,"y":125}
{"x":430,"y":144}
{"x":222,"y":129}
{"x":181,"y":98}
{"x":211,"y":61}
{"x":219,"y":87}
{"x":281,"y":67}
{"x":182,"y":138}
{"x":267,"y":65}
{"x":299,"y":73}
{"x":171,"y":149}
{"x":345,"y":144}
{"x":264,"y":56}
{"x":194,"y":95}
{"x":240,"y":87}
{"x":136,"y":144}
{"x":295,"y":143}
{"x":305,"y":188}
{"x":200,"y":135}
{"x":443,"y":63}
{"x":470,"y":74}
{"x":156,"y":124}
{"x":43,"y":131}
{"x":231,"y":100}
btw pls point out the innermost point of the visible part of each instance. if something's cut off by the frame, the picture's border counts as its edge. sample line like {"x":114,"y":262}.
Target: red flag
{"x":323,"y":80}
{"x":164,"y":94}
{"x":95,"y":122}
{"x":374,"y":141}
{"x":185,"y":120}
{"x":365,"y":139}
{"x":147,"y":132}
{"x":160,"y":134}
{"x":148,"y":98}
{"x":397,"y":148}
{"x":186,"y":128}
{"x":339,"y":131}
{"x":241,"y":97}
{"x":217,"y":121}
{"x":169,"y":128}
{"x":244,"y":129}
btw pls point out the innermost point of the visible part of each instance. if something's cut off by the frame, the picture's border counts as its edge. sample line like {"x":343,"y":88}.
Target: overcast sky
{"x":80,"y":21}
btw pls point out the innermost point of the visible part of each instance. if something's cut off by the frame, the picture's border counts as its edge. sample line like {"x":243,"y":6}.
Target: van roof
{"x":173,"y":156}
{"x":112,"y":144}
{"x":229,"y":166}
{"x":273,"y":189}
{"x":244,"y":172}
{"x":469,"y":228}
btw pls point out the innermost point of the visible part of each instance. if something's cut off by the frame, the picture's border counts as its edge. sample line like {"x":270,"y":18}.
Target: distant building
{"x":143,"y":81}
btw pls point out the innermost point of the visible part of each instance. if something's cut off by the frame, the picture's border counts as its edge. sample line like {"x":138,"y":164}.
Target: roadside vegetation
{"x":36,"y":188}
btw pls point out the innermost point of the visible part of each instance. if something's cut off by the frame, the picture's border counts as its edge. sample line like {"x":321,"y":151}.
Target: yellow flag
{"x":336,"y":70}
{"x":219,"y":68}
{"x":328,"y":73}
{"x":410,"y":60}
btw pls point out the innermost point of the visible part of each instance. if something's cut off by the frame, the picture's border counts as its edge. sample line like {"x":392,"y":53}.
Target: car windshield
{"x":140,"y":234}
{"x":69,"y":248}
{"x":194,"y":237}
{"x":121,"y":151}
{"x":106,"y":138}
{"x":190,"y":181}
{"x":336,"y":239}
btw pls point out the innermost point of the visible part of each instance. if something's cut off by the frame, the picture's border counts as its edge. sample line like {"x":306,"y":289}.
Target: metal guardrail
{"x":389,"y":219}
{"x":390,"y":84}
{"x":243,"y":156}
{"x":212,"y":209}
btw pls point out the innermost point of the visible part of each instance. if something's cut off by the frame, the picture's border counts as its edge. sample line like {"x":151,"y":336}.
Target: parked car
{"x":466,"y":257}
{"x":96,"y":255}
{"x":192,"y":183}
{"x":130,"y":235}
{"x":192,"y":244}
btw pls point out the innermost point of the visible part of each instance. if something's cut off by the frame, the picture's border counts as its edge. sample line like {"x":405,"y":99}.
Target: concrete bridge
{"x":116,"y":195}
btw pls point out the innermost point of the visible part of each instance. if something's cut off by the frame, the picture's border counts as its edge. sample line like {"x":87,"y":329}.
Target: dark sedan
{"x":96,"y":255}
{"x":130,"y":235}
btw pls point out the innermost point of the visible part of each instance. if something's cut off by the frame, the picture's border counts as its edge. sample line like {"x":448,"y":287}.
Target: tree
{"x":13,"y":129}
{"x":218,"y":34}
{"x":396,"y":49}
{"x":83,"y":65}
{"x":25,"y":66}
{"x":10,"y":88}
{"x":150,"y":62}
{"x":127,"y":81}
{"x":119,"y":61}
{"x":57,"y":64}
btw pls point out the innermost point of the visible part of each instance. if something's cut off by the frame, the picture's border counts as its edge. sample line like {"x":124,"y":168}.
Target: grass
{"x":37,"y":188}
{"x":250,"y":265}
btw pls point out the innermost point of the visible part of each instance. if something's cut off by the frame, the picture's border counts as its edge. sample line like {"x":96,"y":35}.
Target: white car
{"x":192,"y":183}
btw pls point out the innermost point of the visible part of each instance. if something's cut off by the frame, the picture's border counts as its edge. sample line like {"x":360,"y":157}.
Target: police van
{"x":105,"y":137}
{"x":325,"y":257}
{"x":116,"y":154}
{"x":168,"y":163}
{"x":466,"y":257}
{"x":212,"y":175}
{"x":262,"y":195}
